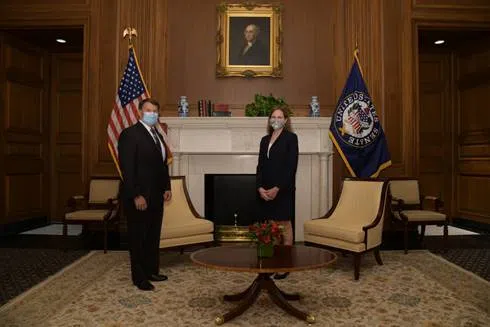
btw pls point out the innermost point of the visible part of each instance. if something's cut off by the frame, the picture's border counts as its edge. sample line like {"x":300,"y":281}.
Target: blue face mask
{"x":150,"y":118}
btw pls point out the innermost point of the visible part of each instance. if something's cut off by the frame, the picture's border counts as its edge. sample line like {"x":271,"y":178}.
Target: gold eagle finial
{"x":130,"y":32}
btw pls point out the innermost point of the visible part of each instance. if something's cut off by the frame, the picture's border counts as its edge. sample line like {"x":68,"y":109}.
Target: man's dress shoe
{"x":158,"y":278}
{"x":145,"y":286}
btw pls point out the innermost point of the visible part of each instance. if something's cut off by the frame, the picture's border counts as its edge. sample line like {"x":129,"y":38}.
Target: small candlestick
{"x":235,"y":215}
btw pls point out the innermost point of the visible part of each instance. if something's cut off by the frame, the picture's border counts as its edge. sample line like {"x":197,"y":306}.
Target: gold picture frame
{"x":249,"y":40}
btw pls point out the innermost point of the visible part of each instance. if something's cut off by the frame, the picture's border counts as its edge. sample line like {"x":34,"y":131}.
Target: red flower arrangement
{"x":266,"y":233}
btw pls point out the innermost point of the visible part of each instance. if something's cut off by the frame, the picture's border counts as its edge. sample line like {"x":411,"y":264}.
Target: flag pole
{"x":128,"y":32}
{"x":356,"y":57}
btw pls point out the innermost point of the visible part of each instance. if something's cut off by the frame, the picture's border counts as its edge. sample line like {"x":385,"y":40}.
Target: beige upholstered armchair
{"x":99,"y":206}
{"x":407,"y":208}
{"x":182,"y":225}
{"x":355,"y":224}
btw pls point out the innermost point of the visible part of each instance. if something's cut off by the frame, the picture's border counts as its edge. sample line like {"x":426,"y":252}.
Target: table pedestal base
{"x":248,"y":297}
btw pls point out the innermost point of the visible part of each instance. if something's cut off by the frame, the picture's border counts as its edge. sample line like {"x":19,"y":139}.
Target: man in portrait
{"x":252,"y":51}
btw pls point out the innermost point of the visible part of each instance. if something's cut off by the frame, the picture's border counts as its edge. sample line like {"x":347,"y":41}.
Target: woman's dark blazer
{"x":279,"y":169}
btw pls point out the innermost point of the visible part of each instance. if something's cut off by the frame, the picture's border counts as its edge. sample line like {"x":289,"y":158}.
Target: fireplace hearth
{"x":230,"y":201}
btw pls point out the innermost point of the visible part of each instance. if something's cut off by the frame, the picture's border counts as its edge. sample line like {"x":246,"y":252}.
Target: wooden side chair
{"x":407,"y":208}
{"x":99,"y":206}
{"x":355,"y":224}
{"x":182,"y":225}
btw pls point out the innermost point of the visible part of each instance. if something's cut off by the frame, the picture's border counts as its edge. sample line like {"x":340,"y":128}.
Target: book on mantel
{"x":206,"y":108}
{"x":221,"y":110}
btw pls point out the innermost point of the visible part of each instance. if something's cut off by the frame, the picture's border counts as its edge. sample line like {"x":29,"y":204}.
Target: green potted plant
{"x":263,"y":105}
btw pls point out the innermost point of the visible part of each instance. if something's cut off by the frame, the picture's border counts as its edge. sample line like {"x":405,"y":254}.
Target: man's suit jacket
{"x":143,"y":170}
{"x":257,"y":54}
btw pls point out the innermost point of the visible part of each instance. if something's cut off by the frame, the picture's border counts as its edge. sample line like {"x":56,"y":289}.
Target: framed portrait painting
{"x":249,"y":40}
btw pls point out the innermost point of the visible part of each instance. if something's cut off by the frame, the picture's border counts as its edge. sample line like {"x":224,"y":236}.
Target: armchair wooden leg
{"x":405,"y":237}
{"x":65,"y":235}
{"x":377,"y":256}
{"x":422,"y":233}
{"x":105,"y":236}
{"x":357,"y":265}
{"x":445,"y":236}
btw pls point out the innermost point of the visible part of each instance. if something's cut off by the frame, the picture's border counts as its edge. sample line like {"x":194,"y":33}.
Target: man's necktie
{"x":155,"y":138}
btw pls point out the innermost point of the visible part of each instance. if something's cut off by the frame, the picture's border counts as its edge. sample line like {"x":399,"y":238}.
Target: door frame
{"x":82,"y":23}
{"x":425,"y":24}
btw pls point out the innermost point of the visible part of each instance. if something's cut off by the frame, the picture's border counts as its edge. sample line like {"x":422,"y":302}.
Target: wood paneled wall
{"x":473,"y":126}
{"x":309,"y":51}
{"x":176,"y":52}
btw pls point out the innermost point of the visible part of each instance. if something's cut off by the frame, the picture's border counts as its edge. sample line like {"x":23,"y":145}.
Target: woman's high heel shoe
{"x":281,"y":276}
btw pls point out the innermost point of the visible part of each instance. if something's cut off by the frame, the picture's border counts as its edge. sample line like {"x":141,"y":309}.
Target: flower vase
{"x":265,"y":250}
{"x":183,"y":107}
{"x":314,"y":107}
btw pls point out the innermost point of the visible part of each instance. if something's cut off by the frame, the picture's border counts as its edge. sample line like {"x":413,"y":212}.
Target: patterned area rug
{"x":418,"y":289}
{"x":21,"y":269}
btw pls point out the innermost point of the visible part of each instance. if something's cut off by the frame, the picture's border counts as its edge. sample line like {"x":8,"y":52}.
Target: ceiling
{"x":455,"y":39}
{"x":46,"y":38}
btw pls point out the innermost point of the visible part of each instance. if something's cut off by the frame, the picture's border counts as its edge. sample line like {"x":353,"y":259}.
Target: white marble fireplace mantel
{"x":229,"y":145}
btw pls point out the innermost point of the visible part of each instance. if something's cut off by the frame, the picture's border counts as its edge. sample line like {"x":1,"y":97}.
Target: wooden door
{"x":66,"y":130}
{"x":24,"y":131}
{"x":435,"y":126}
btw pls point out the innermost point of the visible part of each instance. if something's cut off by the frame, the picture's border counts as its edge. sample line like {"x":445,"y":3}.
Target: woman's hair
{"x":284,"y":111}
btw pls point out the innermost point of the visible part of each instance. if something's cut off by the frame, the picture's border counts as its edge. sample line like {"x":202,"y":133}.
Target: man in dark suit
{"x":146,"y":185}
{"x":253,"y":51}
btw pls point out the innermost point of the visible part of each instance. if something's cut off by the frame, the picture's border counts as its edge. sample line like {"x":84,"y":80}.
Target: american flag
{"x":132,"y":90}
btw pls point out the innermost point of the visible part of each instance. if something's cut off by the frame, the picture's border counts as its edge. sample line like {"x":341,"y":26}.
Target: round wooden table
{"x":244,"y":258}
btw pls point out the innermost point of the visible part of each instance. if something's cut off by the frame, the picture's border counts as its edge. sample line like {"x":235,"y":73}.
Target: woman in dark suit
{"x":276,"y":172}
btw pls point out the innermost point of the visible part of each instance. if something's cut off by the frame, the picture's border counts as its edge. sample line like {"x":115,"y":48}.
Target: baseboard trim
{"x":471,"y":225}
{"x":22,"y":226}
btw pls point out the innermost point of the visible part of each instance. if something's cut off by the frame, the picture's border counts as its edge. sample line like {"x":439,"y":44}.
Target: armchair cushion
{"x":186,"y":227}
{"x":422,"y":215}
{"x":330,"y":228}
{"x":336,"y":243}
{"x":93,"y":215}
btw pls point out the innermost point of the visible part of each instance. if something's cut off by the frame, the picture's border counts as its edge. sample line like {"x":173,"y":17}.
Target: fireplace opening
{"x":230,"y":200}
